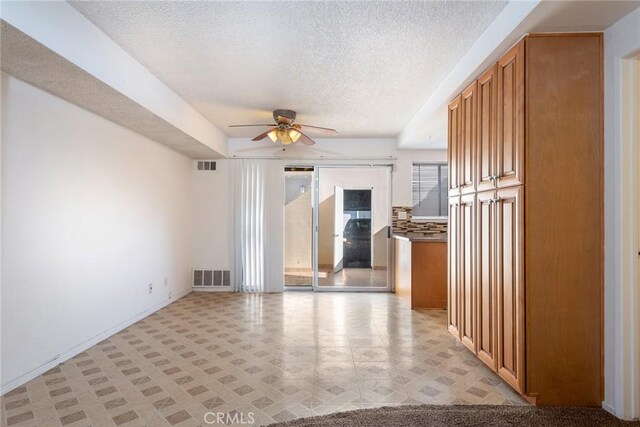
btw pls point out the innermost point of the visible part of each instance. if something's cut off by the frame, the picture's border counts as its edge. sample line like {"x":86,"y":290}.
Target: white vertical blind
{"x":258,"y":225}
{"x":429,"y":188}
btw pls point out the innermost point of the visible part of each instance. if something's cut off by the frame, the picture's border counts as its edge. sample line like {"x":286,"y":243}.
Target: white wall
{"x":212,"y":218}
{"x":91,"y":214}
{"x":622,"y":360}
{"x":298,"y":221}
{"x":298,"y":233}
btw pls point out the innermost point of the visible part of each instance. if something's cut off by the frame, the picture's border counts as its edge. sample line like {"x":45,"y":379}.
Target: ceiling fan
{"x":286,"y":131}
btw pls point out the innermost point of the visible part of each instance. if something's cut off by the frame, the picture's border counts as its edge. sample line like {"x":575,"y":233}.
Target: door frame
{"x":622,"y":295}
{"x":628,"y":300}
{"x":316,"y":204}
{"x":340,"y":242}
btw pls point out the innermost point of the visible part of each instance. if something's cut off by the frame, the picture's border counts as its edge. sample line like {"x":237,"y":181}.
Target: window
{"x":430,"y":187}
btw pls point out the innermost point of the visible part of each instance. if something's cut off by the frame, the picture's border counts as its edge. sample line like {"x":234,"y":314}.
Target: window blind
{"x":429,"y":188}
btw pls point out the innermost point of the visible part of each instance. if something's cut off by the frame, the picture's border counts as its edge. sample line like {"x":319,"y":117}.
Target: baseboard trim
{"x":79,"y":348}
{"x":609,"y":408}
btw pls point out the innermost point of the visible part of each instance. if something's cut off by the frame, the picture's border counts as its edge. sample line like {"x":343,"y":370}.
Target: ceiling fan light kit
{"x":284,"y":136}
{"x":286,"y":132}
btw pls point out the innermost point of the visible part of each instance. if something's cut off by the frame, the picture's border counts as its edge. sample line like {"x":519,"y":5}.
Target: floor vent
{"x":211,"y":278}
{"x":206,"y":166}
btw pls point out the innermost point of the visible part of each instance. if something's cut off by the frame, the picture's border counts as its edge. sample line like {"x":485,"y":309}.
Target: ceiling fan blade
{"x":243,"y":126}
{"x":305,"y":139}
{"x":262,"y":136}
{"x":320,"y":129}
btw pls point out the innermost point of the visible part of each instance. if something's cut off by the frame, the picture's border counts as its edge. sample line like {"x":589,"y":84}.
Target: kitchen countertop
{"x":421,"y":237}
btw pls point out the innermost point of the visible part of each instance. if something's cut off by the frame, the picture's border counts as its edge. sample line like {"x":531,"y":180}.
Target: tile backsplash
{"x":402,"y":222}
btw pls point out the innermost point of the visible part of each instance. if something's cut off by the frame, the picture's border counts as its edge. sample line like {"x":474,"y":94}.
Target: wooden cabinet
{"x":486,"y":160}
{"x":453,"y":292}
{"x":526,"y":225}
{"x":509,"y":281}
{"x":466,"y":264}
{"x":420,"y":276}
{"x":485,"y":278}
{"x":510,"y":118}
{"x":467,"y":140}
{"x":454,"y":144}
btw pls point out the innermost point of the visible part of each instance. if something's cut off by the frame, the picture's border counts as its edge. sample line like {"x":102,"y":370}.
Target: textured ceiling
{"x":363,"y":68}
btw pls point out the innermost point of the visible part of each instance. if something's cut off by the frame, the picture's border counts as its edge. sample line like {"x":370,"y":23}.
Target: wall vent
{"x":211,"y":278}
{"x":206,"y":165}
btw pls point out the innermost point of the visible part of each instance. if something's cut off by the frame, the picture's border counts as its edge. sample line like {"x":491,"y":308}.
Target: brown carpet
{"x":464,"y":415}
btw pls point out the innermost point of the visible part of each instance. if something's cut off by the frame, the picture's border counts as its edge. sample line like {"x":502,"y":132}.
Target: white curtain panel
{"x":258,"y":225}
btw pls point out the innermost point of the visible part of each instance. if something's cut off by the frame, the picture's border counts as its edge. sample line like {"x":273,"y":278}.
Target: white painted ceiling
{"x":363,"y":68}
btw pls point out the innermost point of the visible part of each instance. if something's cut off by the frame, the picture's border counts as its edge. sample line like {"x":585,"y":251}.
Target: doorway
{"x":337,"y":222}
{"x":352,"y":237}
{"x":357,"y":238}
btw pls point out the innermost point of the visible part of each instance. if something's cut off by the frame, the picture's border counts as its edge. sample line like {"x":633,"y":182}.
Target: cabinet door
{"x":466,"y":279}
{"x":485,"y":278}
{"x":487,"y":125}
{"x":467,"y":143}
{"x":453,"y":313}
{"x":454,"y":146}
{"x":509,"y":285}
{"x":510,"y":136}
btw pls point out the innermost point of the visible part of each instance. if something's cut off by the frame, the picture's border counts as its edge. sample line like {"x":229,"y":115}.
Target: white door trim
{"x":628,"y":338}
{"x":622,"y":151}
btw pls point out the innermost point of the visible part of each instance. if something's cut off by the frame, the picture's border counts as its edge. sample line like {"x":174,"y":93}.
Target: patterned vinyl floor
{"x":257,"y":359}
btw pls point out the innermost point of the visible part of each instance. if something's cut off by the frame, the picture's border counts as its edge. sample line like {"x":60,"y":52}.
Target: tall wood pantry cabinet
{"x":525,"y":276}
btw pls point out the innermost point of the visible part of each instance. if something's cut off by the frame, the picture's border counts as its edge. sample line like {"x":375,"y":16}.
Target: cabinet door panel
{"x":510,"y":135}
{"x":509,"y":286}
{"x":487,"y":125}
{"x":453,"y":313}
{"x":485,"y":282}
{"x":466,"y":280}
{"x":467,"y":142}
{"x":454,"y":147}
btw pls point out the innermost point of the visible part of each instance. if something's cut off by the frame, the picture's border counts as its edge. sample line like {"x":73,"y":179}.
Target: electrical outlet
{"x":150,"y":287}
{"x":166,"y":282}
{"x":170,"y":295}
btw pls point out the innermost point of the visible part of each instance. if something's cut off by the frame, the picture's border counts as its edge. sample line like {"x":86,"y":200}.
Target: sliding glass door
{"x":337,"y":221}
{"x":353,"y":219}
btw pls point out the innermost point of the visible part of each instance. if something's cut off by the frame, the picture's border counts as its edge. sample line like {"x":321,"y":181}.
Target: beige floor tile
{"x":382,"y":391}
{"x":375,"y":370}
{"x":334,"y":354}
{"x":339,"y":369}
{"x":371,"y":354}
